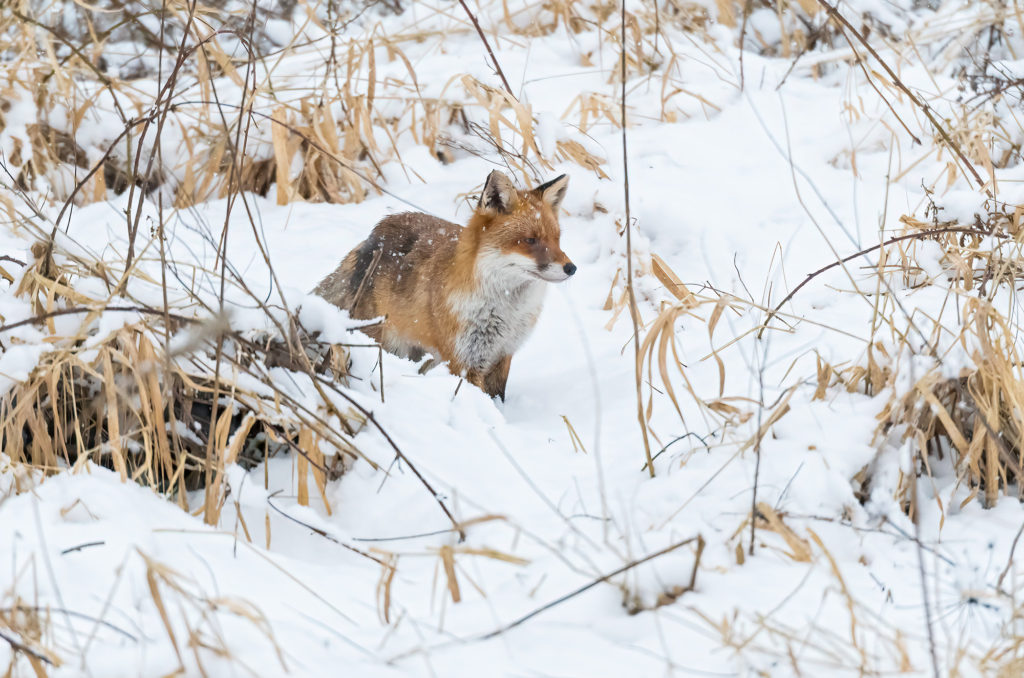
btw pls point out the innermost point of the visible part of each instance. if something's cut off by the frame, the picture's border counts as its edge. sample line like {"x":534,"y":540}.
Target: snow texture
{"x":744,"y":194}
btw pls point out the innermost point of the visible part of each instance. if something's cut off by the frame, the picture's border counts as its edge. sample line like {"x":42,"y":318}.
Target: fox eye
{"x":530,"y":241}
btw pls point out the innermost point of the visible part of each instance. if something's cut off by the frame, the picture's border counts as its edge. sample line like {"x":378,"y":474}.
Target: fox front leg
{"x":494,"y":381}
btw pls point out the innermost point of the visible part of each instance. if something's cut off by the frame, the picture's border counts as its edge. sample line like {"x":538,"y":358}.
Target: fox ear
{"x":498,"y":193}
{"x":553,"y":191}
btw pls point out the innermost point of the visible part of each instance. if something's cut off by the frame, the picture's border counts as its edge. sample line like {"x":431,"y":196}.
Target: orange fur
{"x":468,"y":295}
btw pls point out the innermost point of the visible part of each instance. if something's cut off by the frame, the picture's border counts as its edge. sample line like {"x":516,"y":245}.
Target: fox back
{"x":468,"y":295}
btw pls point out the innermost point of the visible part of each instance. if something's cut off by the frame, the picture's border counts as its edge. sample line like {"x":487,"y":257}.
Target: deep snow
{"x":742,"y":200}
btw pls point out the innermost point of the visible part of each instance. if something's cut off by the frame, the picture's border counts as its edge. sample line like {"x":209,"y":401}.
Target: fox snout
{"x":555,"y":272}
{"x":551,"y":262}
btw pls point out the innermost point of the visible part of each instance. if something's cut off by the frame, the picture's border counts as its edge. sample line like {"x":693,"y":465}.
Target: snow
{"x":746,"y":194}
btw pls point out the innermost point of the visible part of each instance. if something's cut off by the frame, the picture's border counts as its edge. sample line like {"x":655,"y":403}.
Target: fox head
{"x":519,"y":234}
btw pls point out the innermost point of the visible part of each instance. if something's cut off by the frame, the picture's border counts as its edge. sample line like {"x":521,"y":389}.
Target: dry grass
{"x":951,"y":381}
{"x":171,"y":397}
{"x":24,"y":628}
{"x":128,"y":399}
{"x":970,"y":418}
{"x":862,"y":639}
{"x":140,"y":403}
{"x":199,"y":613}
{"x":146,"y":396}
{"x":215,"y":114}
{"x":974,"y":418}
{"x":317,"y":137}
{"x":211,"y":86}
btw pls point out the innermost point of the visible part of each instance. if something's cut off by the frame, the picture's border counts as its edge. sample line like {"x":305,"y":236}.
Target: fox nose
{"x":569,"y":268}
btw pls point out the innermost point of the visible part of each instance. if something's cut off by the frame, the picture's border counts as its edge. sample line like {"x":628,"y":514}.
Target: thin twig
{"x":628,"y":566}
{"x":211,"y":512}
{"x":408,"y":536}
{"x":743,"y":38}
{"x":19,"y":646}
{"x":869,"y":250}
{"x":82,"y":546}
{"x":72,"y":311}
{"x":1009,"y":560}
{"x":757,"y":445}
{"x":437,"y":497}
{"x":633,"y":312}
{"x":676,"y":440}
{"x":95,"y":168}
{"x":494,"y":59}
{"x":11,"y":259}
{"x":323,"y":533}
{"x":77,"y":615}
{"x":167,"y":91}
{"x":932,"y":650}
{"x":925,"y":108}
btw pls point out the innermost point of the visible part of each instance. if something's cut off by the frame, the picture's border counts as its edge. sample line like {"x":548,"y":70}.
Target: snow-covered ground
{"x":743,"y":195}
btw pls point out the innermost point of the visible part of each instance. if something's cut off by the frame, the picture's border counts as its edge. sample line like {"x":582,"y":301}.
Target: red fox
{"x":467,"y":295}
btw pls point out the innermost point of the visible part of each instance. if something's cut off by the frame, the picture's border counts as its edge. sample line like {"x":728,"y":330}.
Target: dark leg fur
{"x":495,"y":380}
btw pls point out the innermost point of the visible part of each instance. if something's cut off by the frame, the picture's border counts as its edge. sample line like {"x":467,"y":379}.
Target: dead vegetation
{"x":167,"y":416}
{"x":952,"y":387}
{"x":174,"y":104}
{"x":970,"y":417}
{"x":318,"y":137}
{"x":946,"y":370}
{"x":159,"y":397}
{"x":208,"y":83}
{"x":139,"y":398}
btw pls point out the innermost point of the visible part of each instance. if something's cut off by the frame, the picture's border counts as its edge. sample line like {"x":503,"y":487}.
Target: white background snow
{"x":743,"y":196}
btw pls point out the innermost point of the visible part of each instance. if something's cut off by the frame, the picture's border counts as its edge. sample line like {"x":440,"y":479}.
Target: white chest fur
{"x":497,"y":317}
